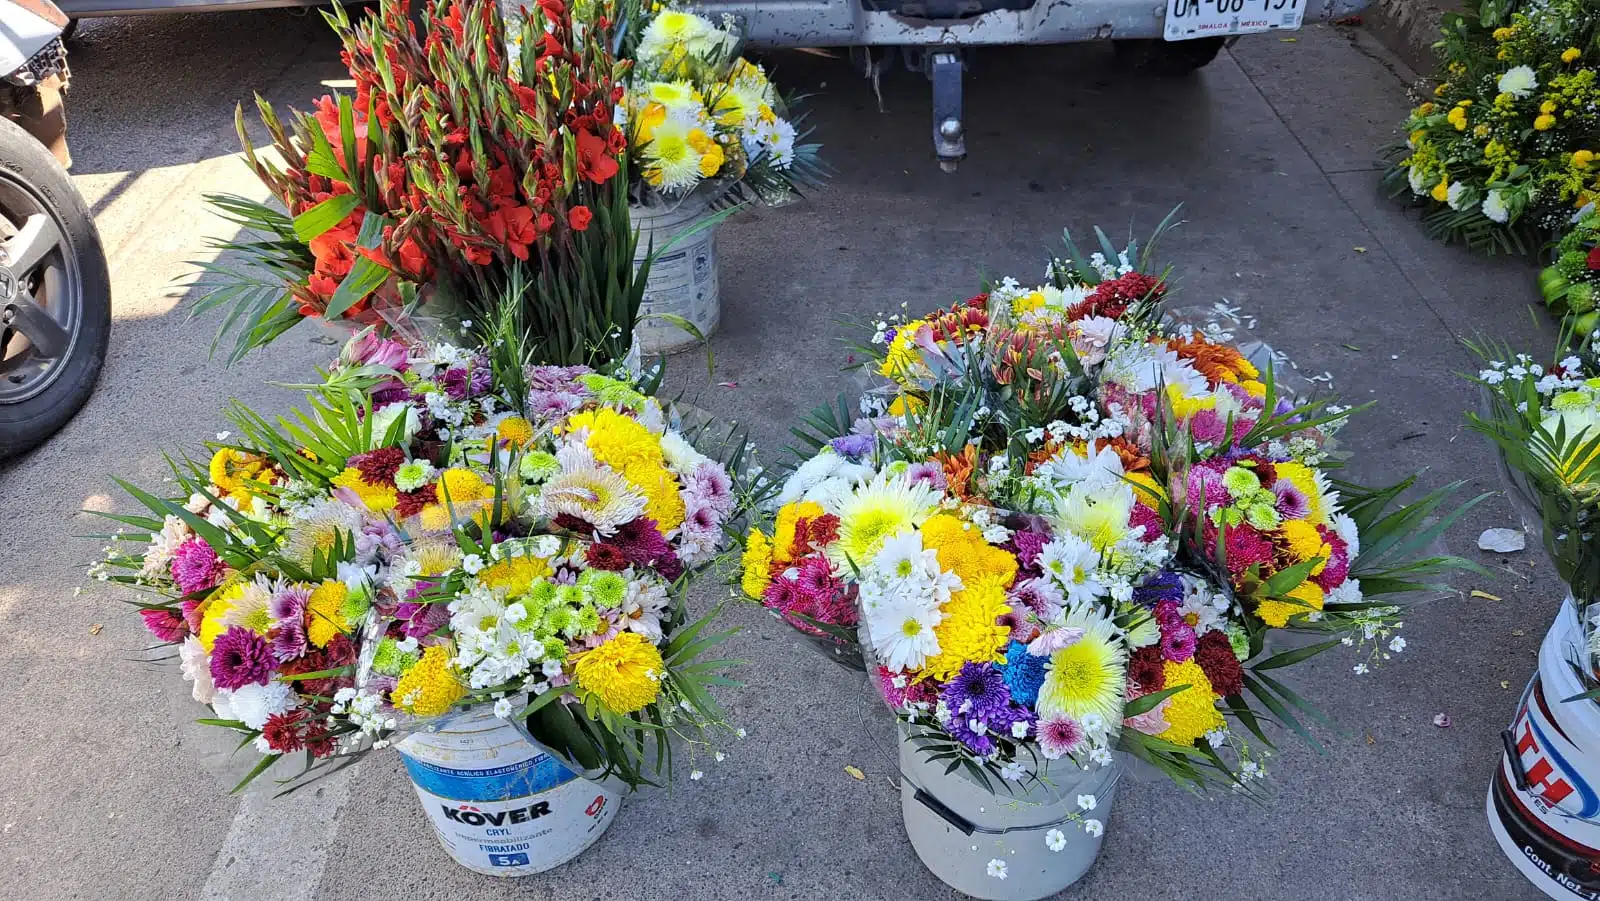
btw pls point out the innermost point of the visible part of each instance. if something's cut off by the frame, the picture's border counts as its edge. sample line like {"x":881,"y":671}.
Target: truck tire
{"x":55,"y":294}
{"x":1167,"y":59}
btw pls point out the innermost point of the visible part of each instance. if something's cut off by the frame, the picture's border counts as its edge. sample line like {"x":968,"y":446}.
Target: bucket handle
{"x":968,"y":827}
{"x":1514,"y":759}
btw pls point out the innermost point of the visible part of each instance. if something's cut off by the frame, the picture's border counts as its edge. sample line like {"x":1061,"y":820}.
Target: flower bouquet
{"x":1544,"y":422}
{"x":429,"y":542}
{"x":443,"y":184}
{"x":1505,"y":150}
{"x":1066,"y":527}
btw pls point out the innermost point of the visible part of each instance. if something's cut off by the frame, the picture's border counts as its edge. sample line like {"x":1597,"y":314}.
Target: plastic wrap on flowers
{"x":1177,"y":513}
{"x":442,"y":529}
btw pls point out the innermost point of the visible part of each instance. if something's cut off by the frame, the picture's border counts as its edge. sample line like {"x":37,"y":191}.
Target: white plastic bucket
{"x":958,"y":827}
{"x":683,"y":278}
{"x":1544,"y":799}
{"x":500,"y":804}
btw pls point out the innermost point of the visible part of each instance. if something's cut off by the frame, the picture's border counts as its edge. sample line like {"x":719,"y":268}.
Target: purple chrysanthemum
{"x":977,"y":692}
{"x":289,"y":603}
{"x":419,"y":620}
{"x":1027,"y":544}
{"x":1059,"y":736}
{"x":1292,"y":502}
{"x":711,"y":482}
{"x":1178,"y":642}
{"x":930,"y":474}
{"x":1038,"y":596}
{"x":974,"y":734}
{"x":196,"y":567}
{"x":240,"y":657}
{"x":852,"y":446}
{"x":289,"y":640}
{"x":1163,"y":586}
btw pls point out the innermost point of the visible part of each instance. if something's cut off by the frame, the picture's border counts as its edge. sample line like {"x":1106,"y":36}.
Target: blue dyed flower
{"x":852,"y":446}
{"x":1163,"y":586}
{"x":1023,"y":673}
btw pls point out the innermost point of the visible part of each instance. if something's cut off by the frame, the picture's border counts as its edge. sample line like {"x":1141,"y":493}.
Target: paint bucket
{"x":1543,"y":804}
{"x":501,"y":804}
{"x":960,"y":829}
{"x":683,"y":277}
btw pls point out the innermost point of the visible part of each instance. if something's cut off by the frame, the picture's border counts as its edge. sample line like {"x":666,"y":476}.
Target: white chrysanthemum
{"x":815,"y":471}
{"x":1070,"y":561}
{"x":1519,"y":82}
{"x":902,"y":631}
{"x":674,"y":32}
{"x":385,"y":416}
{"x":1418,"y":179}
{"x":158,"y":556}
{"x":777,"y":139}
{"x":1141,"y":367}
{"x":680,"y":454}
{"x":1494,"y":206}
{"x":1100,"y":517}
{"x":1454,"y":195}
{"x":671,"y":161}
{"x":252,"y":704}
{"x":1348,"y":592}
{"x":195,"y":664}
{"x":643,"y":606}
{"x":1097,"y":472}
{"x":600,"y":497}
{"x":1346,"y":528}
{"x":315,"y":527}
{"x":1202,"y":608}
{"x":875,"y":512}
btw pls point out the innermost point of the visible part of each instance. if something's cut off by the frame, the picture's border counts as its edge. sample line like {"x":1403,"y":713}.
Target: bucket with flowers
{"x":707,"y":130}
{"x":1070,"y":532}
{"x":1543,"y":806}
{"x":482,"y":561}
{"x":443,"y":183}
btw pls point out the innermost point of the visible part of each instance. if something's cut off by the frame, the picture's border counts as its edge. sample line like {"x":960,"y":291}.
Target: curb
{"x":1410,"y":27}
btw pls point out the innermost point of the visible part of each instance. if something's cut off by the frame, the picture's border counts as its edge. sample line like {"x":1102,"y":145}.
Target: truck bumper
{"x":839,"y":23}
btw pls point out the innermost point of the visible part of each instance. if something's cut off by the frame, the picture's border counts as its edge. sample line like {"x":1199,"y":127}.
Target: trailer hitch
{"x":944,"y":69}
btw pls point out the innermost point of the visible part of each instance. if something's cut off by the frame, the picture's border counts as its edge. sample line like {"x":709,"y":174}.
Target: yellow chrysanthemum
{"x":1305,"y":543}
{"x":1086,"y":676}
{"x":1544,"y":122}
{"x":216,"y":608}
{"x":463,"y":486}
{"x":380,"y":499}
{"x":783,"y":529}
{"x":1185,"y":406}
{"x":1570,"y":54}
{"x":905,"y":404}
{"x":970,"y":631}
{"x":649,"y":120}
{"x":757,"y":564}
{"x":902,"y":353}
{"x":1458,"y":118}
{"x":1190,"y":713}
{"x":515,"y":431}
{"x":1254,"y":387}
{"x":1582,"y":158}
{"x":324,"y":616}
{"x":231,"y":468}
{"x":662,"y":501}
{"x":514,"y":575}
{"x":624,"y":673}
{"x":1145,"y":489}
{"x":710,"y":152}
{"x":1441,"y":191}
{"x":962,"y":550}
{"x":428,"y":688}
{"x":1302,"y":477}
{"x":435,"y":517}
{"x":1277,"y":613}
{"x":615,"y":439}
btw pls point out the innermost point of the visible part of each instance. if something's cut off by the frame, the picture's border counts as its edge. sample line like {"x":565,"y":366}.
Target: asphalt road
{"x":108,"y":791}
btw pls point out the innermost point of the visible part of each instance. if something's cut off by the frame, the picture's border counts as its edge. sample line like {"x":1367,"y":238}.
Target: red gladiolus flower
{"x":1594,"y":258}
{"x":579,"y":217}
{"x":594,"y":161}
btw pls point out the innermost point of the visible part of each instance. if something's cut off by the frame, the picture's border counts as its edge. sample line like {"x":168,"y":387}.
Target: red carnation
{"x":1215,"y":655}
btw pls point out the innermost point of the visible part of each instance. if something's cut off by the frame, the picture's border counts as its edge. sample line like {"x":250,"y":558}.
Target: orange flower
{"x":1217,"y":362}
{"x":958,"y":470}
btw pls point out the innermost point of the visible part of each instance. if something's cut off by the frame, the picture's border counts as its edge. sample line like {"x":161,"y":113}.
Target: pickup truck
{"x":1165,"y":37}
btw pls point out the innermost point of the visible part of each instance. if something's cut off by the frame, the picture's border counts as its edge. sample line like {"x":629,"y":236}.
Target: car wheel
{"x":55,"y":294}
{"x":1167,"y":58}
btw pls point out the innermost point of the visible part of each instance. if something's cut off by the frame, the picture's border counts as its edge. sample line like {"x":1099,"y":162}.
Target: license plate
{"x":1189,"y":19}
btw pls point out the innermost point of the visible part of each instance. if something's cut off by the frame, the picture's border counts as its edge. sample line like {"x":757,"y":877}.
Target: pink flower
{"x":165,"y":623}
{"x":1054,"y":640}
{"x":196,"y":567}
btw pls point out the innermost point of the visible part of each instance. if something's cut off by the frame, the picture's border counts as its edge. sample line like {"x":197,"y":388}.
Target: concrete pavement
{"x":107,"y":789}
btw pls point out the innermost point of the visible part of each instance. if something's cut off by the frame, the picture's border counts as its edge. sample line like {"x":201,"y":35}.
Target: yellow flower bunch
{"x":429,"y":687}
{"x":962,"y":550}
{"x":1190,"y":713}
{"x":971,"y":630}
{"x":325,"y":612}
{"x":624,"y":673}
{"x":756,"y":564}
{"x":380,"y":499}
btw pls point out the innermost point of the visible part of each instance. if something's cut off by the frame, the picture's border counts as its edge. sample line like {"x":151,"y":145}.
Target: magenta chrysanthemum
{"x":1059,"y":736}
{"x":196,"y":567}
{"x":1177,"y":643}
{"x":1338,"y":566}
{"x":241,"y":657}
{"x":1246,"y":547}
{"x":1292,"y":502}
{"x":165,"y":623}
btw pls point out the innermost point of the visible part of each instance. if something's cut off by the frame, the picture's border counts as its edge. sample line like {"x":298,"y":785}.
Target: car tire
{"x":1167,"y":59}
{"x":40,"y":397}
